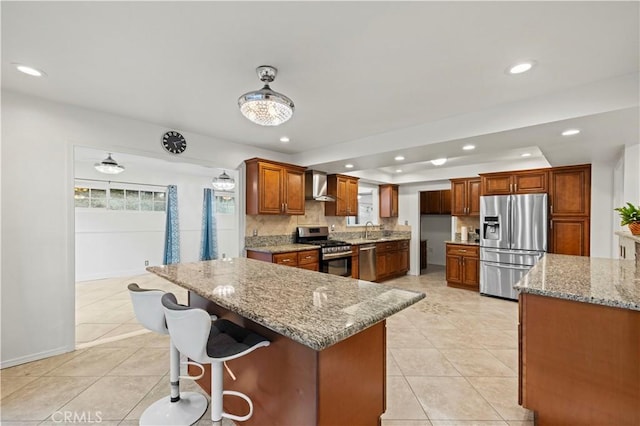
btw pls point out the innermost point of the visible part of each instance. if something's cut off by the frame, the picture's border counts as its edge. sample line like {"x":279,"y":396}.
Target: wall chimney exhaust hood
{"x":316,"y":186}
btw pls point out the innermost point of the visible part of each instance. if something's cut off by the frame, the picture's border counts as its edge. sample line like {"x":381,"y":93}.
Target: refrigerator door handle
{"x":510,"y":221}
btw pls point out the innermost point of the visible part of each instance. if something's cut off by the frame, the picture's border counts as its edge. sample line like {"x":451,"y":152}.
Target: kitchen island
{"x":579,"y":341}
{"x":327,"y":359}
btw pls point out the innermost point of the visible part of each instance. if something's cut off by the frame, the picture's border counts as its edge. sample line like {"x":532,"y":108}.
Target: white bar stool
{"x":205,"y":342}
{"x":178,"y":408}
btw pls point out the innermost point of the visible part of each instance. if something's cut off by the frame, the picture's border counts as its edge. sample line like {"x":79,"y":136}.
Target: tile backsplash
{"x":281,"y":228}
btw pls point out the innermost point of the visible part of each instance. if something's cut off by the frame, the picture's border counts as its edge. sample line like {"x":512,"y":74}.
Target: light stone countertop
{"x":465,"y":243}
{"x":608,"y":282}
{"x":360,"y":241}
{"x":629,"y":235}
{"x":312,"y":308}
{"x":283,"y":248}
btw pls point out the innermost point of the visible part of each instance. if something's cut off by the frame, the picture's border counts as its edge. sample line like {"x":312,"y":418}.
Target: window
{"x":119,"y":199}
{"x":225,"y":202}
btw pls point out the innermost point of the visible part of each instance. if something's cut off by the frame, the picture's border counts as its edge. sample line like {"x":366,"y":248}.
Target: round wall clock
{"x":174,"y":142}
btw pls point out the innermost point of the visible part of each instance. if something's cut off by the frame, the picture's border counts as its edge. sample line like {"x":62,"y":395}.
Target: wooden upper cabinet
{"x":345,"y":190}
{"x":445,"y":201}
{"x":274,"y":188}
{"x":435,"y":202}
{"x":465,"y":197}
{"x":388,"y":200}
{"x":522,"y":182}
{"x":294,"y":191}
{"x":570,"y":192}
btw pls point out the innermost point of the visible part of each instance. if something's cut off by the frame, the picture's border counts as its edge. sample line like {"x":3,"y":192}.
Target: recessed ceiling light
{"x":349,"y":166}
{"x":438,"y":161}
{"x":521,"y":67}
{"x":399,"y":158}
{"x":469,"y":147}
{"x":526,"y":154}
{"x":30,"y":70}
{"x":284,"y":139}
{"x":399,"y":171}
{"x":570,"y":132}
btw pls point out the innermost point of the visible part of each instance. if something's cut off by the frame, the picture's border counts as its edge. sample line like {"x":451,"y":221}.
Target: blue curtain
{"x":209,"y":244}
{"x":172,"y":230}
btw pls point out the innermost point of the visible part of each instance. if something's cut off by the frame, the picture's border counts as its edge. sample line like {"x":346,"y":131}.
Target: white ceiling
{"x":370,"y":80}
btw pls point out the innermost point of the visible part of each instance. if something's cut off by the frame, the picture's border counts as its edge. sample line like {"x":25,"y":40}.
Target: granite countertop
{"x":283,"y":248}
{"x":608,"y":282}
{"x":359,"y":241}
{"x":312,"y":308}
{"x":466,"y":243}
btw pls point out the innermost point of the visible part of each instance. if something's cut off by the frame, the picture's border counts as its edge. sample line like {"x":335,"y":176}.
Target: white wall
{"x":602,"y":190}
{"x":37,"y":216}
{"x":632,"y":174}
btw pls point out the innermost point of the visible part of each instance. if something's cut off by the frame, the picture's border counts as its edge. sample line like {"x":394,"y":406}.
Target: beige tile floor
{"x":452,"y":360}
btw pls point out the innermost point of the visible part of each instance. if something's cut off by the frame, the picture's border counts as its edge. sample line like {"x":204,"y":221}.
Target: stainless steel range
{"x":335,"y":255}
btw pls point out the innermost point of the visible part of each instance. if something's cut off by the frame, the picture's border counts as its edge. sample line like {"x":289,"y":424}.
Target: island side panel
{"x":352,"y":378}
{"x":580,"y":362}
{"x":280,"y":379}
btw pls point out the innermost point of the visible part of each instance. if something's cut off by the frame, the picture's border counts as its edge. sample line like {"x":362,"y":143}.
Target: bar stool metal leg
{"x":179,"y":408}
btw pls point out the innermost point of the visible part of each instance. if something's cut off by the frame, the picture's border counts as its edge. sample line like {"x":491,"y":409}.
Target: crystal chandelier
{"x":109,"y":166}
{"x":224,"y":182}
{"x":266,"y":107}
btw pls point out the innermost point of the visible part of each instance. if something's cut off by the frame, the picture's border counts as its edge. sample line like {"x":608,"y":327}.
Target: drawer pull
{"x":286,"y":260}
{"x":308,"y":257}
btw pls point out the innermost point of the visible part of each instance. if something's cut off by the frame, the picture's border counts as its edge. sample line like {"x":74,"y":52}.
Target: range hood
{"x":316,"y":186}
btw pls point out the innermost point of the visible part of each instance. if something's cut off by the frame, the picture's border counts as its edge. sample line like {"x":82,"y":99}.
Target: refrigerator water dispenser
{"x":491,"y":228}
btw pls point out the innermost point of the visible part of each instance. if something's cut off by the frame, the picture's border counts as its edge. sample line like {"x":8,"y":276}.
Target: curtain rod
{"x":119,"y":181}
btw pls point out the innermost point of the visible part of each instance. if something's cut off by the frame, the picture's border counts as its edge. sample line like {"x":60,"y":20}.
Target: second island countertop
{"x":312,"y":308}
{"x":600,"y":281}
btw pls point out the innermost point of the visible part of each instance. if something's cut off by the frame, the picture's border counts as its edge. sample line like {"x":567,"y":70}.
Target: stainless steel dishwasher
{"x":367,"y":262}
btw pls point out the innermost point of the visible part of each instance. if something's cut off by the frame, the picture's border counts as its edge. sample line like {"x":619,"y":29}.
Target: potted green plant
{"x":630,"y":215}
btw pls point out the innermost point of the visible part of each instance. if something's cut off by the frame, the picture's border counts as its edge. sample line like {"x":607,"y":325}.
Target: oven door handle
{"x":336,"y":255}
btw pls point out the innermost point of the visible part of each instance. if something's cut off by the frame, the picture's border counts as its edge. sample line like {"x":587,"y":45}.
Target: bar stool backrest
{"x":148,"y":308}
{"x":189,"y":328}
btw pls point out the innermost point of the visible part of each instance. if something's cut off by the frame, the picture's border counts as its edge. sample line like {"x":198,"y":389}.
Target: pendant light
{"x":266,"y":107}
{"x":224,"y":182}
{"x":109,"y":166}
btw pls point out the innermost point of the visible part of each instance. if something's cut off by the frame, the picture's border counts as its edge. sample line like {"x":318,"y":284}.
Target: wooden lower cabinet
{"x":392,"y":259}
{"x":307,"y":259}
{"x":355,"y":262}
{"x":292,"y":384}
{"x":463,"y":266}
{"x":569,"y":235}
{"x":578,"y":362}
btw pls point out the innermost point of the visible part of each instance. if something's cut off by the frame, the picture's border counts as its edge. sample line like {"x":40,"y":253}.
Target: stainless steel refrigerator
{"x":513,"y":237}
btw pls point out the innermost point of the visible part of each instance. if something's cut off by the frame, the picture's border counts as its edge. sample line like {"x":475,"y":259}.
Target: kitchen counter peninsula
{"x":326,"y":363}
{"x":579,"y":340}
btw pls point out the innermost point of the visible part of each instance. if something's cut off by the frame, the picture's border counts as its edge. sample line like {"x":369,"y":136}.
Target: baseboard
{"x":35,"y":357}
{"x":110,"y":274}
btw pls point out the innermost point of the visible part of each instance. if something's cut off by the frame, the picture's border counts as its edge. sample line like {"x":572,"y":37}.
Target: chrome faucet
{"x":366,"y":229}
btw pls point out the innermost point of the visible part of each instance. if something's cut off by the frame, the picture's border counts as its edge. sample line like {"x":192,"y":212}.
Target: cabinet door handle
{"x":551,"y":208}
{"x":286,"y":207}
{"x":624,"y":252}
{"x":515,"y":187}
{"x":551,"y":224}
